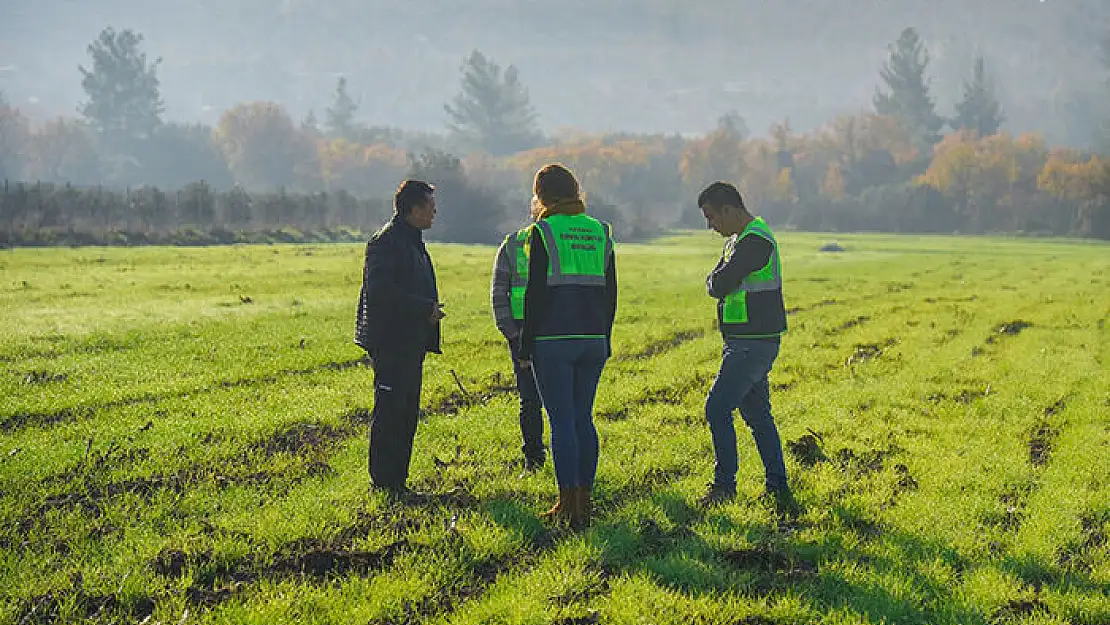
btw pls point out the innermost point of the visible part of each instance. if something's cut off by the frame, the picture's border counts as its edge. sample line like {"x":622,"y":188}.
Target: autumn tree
{"x":979,"y":111}
{"x":124,"y":101}
{"x":492,"y":111}
{"x":907,"y":96}
{"x":365,"y":171}
{"x":264,"y":149}
{"x":340,"y":120}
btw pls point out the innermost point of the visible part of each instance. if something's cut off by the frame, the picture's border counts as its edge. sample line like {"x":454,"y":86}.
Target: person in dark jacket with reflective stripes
{"x":507,"y":285}
{"x":570,"y":303}
{"x":398,"y":323}
{"x":751,"y":315}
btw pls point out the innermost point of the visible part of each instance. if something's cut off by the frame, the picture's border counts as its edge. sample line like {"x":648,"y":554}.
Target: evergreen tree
{"x":979,"y":111}
{"x":340,"y":120}
{"x":122,"y":87}
{"x":908,"y":98}
{"x":492,"y":112}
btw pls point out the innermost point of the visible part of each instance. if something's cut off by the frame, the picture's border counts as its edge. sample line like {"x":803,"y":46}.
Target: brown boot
{"x":585,"y":507}
{"x":565,"y":508}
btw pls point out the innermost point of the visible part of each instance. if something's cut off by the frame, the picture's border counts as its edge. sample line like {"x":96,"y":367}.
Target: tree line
{"x":901,"y":166}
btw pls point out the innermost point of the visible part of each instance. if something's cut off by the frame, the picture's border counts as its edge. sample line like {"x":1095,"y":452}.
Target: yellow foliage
{"x":599,"y":163}
{"x":717,"y":156}
{"x":1071,"y":180}
{"x":833,"y":184}
{"x":784,"y":190}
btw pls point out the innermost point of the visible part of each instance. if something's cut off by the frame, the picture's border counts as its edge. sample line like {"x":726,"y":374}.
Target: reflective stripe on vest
{"x":516,"y":248}
{"x":578,"y":246}
{"x":767,"y":278}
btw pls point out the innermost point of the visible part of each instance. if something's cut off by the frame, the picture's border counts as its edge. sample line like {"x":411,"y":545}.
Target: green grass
{"x":183,"y":430}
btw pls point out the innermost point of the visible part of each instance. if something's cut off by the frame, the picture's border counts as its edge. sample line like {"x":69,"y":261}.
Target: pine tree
{"x":979,"y":111}
{"x":122,"y":87}
{"x":492,"y":112}
{"x":340,"y":120}
{"x":908,"y":98}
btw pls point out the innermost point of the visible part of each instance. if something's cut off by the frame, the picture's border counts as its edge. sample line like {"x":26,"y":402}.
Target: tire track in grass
{"x":323,"y":561}
{"x":19,"y":421}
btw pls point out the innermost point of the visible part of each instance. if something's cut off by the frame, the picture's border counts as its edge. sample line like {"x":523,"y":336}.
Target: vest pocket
{"x":735,"y":309}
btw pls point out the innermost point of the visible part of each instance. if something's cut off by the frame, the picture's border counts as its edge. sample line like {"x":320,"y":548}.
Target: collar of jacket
{"x":403,"y":227}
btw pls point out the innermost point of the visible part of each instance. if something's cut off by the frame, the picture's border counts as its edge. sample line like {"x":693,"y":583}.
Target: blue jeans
{"x":742,"y":384}
{"x":567,"y":372}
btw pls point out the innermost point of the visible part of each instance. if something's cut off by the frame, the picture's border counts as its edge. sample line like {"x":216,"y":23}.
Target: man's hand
{"x":437,"y":313}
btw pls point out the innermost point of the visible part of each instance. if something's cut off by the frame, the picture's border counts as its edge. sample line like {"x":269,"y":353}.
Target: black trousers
{"x":531,"y":409}
{"x":397,"y":379}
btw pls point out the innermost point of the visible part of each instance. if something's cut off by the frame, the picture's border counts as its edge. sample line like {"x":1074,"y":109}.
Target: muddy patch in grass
{"x":43,"y":377}
{"x":303,"y":438}
{"x":1017,"y":609}
{"x":864,"y":352}
{"x":1009,"y":328}
{"x":807,"y":450}
{"x":47,"y":608}
{"x":1042,"y":438}
{"x":849,"y":324}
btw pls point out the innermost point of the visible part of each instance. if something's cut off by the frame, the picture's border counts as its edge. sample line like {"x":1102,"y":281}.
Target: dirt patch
{"x":1055,"y":408}
{"x":1018,"y":608}
{"x":46,"y":608}
{"x":905,"y":482}
{"x":863,"y":353}
{"x":303,"y":438}
{"x":43,"y":377}
{"x":665,"y":345}
{"x":1041,"y":441}
{"x":360,"y":417}
{"x":851,"y":323}
{"x":1009,"y":328}
{"x":862,"y":463}
{"x":312,"y":558}
{"x":807,"y":450}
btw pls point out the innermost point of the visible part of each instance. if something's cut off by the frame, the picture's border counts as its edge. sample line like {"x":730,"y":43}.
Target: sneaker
{"x":717,"y":494}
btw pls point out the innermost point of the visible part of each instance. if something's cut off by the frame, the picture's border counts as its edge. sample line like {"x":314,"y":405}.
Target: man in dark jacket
{"x":398,"y":323}
{"x":747,"y":284}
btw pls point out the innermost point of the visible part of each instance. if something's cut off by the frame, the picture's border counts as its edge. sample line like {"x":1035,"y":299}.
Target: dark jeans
{"x":742,"y":384}
{"x":531,"y":409}
{"x":567,"y":372}
{"x":397,"y":379}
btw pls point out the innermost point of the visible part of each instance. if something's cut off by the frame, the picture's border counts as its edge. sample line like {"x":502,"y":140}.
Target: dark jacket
{"x":398,"y":292}
{"x":564,"y":310}
{"x":766,"y":310}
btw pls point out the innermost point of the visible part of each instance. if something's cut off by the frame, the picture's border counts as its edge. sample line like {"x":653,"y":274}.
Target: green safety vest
{"x":516,"y":247}
{"x":577,"y":248}
{"x":734,"y":311}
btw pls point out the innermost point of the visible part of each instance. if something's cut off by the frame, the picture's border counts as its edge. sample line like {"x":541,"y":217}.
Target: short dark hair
{"x":721,"y":194}
{"x":409,"y":194}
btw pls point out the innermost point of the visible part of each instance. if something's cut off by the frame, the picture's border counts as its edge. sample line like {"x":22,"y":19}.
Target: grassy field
{"x":183,"y":437}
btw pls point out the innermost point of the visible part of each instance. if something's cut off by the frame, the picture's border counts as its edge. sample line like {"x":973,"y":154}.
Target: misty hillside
{"x":646,"y":65}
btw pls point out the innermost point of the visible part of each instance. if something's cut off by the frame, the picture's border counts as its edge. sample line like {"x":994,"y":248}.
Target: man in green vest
{"x":507,"y":285}
{"x":747,"y":284}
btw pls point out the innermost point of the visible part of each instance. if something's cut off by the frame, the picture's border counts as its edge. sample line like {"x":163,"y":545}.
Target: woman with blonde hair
{"x":570,"y":303}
